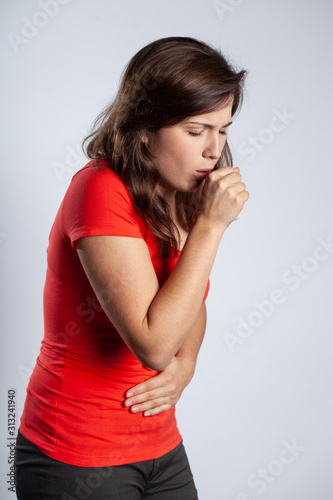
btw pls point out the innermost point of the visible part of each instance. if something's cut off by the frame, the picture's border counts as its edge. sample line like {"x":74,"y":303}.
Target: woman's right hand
{"x":223,"y":197}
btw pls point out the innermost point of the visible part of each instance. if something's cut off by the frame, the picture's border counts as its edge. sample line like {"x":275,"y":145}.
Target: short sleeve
{"x":97,"y":202}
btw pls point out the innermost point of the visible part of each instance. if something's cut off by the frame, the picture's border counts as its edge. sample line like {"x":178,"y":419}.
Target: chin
{"x":191,"y":189}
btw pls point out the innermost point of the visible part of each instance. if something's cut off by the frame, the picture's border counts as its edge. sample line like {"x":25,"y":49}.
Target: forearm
{"x":189,"y":351}
{"x":174,"y":310}
{"x":155,"y":321}
{"x":161,"y":392}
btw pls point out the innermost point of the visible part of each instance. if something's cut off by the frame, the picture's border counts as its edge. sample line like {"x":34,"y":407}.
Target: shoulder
{"x":97,"y":202}
{"x":99,"y":175}
{"x":94,"y":187}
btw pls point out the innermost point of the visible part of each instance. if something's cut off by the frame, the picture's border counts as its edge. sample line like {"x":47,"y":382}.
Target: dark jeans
{"x":39,"y":477}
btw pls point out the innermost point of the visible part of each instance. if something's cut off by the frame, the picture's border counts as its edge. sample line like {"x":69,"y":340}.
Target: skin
{"x":164,"y":327}
{"x":160,"y":393}
{"x":188,"y":146}
{"x":179,"y":150}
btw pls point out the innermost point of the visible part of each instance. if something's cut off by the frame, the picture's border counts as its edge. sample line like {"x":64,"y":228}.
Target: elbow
{"x":155,"y":361}
{"x":150,"y":351}
{"x":159,"y":367}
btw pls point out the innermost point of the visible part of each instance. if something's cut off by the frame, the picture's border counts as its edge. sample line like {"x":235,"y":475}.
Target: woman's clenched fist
{"x":223,"y":197}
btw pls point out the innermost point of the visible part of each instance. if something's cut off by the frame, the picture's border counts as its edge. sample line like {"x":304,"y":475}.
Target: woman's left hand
{"x":161,"y":392}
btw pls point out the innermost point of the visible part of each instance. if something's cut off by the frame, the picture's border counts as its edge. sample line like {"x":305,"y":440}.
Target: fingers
{"x":150,"y":408}
{"x":159,"y":381}
{"x":222,"y":197}
{"x":153,"y":388}
{"x":229,"y":174}
{"x":222,"y":171}
{"x":145,"y":397}
{"x":154,"y":396}
{"x":226,"y":170}
{"x":159,"y":393}
{"x":237,"y":187}
{"x":166,"y":390}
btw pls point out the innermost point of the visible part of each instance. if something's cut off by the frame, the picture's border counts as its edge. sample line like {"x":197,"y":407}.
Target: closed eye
{"x":196,"y":134}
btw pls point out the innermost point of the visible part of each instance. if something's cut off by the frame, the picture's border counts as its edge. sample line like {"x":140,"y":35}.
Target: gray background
{"x":261,"y":388}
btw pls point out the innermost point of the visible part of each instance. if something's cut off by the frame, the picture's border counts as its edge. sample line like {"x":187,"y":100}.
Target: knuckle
{"x":169,"y":378}
{"x":210,"y":179}
{"x":232,"y":192}
{"x":222,"y":183}
{"x":173,"y":388}
{"x":150,"y":395}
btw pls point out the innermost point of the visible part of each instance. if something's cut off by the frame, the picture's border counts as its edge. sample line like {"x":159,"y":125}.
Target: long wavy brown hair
{"x":166,"y":82}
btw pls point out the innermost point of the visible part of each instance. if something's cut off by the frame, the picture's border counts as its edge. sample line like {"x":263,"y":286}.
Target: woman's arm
{"x":160,"y":393}
{"x":155,"y":322}
{"x":189,"y":351}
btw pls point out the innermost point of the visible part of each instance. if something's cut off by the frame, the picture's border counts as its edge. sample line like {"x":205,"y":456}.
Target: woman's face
{"x":185,"y":153}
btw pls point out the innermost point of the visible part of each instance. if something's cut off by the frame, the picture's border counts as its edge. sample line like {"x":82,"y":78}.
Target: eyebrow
{"x":207,"y":125}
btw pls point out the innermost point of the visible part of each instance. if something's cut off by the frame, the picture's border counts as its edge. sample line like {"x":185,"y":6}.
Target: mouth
{"x":202,"y":174}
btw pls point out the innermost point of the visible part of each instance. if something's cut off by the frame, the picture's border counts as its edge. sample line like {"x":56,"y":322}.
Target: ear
{"x":144,"y":137}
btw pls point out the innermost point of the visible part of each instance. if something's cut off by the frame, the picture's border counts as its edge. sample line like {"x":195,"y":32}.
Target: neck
{"x":168,"y":196}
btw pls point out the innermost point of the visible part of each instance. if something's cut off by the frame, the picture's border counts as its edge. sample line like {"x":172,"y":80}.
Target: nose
{"x":213,"y":148}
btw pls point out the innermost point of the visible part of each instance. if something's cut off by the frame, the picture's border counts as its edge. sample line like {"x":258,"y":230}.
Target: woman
{"x":129,"y":258}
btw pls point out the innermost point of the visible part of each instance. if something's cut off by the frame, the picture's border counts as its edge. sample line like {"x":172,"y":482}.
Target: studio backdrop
{"x":257,"y":417}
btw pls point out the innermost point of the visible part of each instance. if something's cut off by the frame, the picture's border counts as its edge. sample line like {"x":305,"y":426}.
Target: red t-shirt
{"x":74,"y":409}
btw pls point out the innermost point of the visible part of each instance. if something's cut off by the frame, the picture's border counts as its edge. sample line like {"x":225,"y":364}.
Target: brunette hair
{"x":166,"y":82}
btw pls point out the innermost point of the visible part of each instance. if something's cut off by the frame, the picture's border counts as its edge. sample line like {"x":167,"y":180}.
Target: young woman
{"x":129,"y":258}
